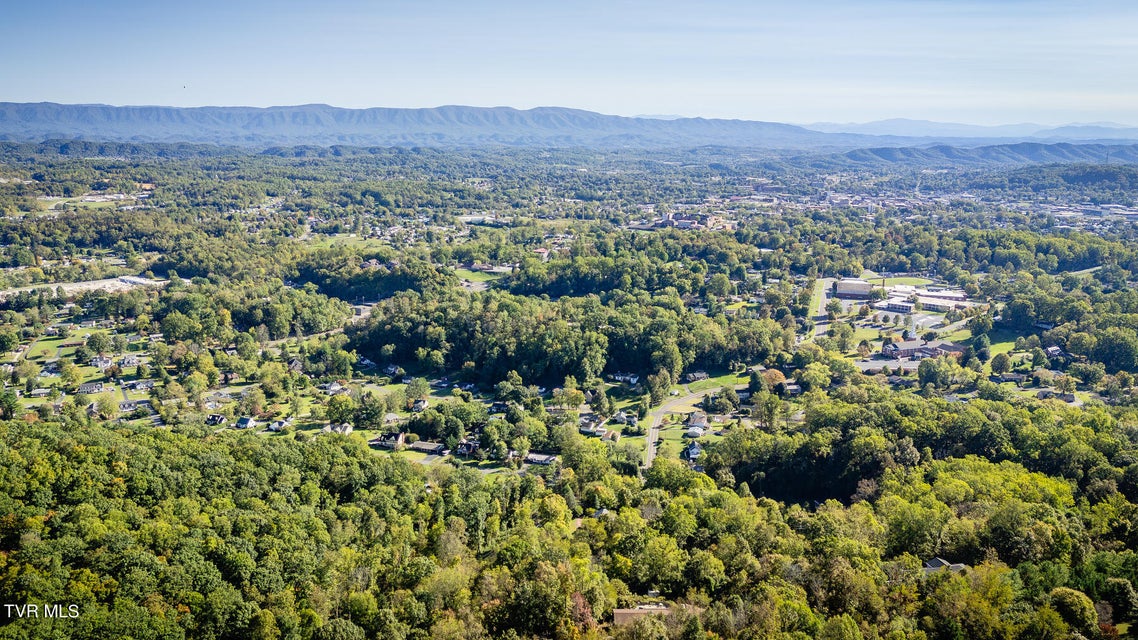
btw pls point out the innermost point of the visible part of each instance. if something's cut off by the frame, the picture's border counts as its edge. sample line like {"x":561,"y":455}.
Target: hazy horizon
{"x":968,"y":62}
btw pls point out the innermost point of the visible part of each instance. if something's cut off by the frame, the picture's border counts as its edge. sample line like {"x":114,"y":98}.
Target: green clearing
{"x":407,"y":454}
{"x":477,"y":276}
{"x":44,"y":348}
{"x":911,"y":281}
{"x":865,"y":333}
{"x":56,"y":205}
{"x":960,"y":335}
{"x":718,"y":382}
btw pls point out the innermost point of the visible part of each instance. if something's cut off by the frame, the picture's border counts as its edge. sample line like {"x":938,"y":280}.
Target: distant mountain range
{"x":322,"y":125}
{"x":928,"y":129}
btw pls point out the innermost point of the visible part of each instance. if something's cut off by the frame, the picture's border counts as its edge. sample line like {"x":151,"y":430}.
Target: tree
{"x":417,"y":389}
{"x":814,"y":376}
{"x":98,"y":342}
{"x":843,"y":334}
{"x":840,"y":627}
{"x":106,"y":406}
{"x":1001,"y":363}
{"x":658,"y":385}
{"x":341,"y":408}
{"x":8,"y":341}
{"x":1117,"y":349}
{"x":70,"y":374}
{"x":9,"y":404}
{"x":980,"y":324}
{"x":1076,"y":609}
{"x":833,"y":308}
{"x":720,"y":286}
{"x":339,"y":629}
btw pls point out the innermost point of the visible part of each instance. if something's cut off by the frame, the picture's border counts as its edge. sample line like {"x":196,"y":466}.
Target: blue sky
{"x":985,"y":62}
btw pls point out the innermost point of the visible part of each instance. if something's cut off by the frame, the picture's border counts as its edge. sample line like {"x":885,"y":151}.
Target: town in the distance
{"x":522,"y":392}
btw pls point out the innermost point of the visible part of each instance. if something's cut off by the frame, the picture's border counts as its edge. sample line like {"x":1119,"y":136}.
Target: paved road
{"x":821,"y":318}
{"x":670,"y":406}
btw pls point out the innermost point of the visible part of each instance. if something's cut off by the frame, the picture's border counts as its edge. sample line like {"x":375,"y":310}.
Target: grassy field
{"x":45,"y":348}
{"x":865,"y":333}
{"x":960,"y":335}
{"x":915,"y":282}
{"x":719,"y":381}
{"x":477,"y":276}
{"x":50,"y":205}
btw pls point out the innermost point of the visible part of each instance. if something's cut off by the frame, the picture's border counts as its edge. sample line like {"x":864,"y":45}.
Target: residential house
{"x":541,"y":458}
{"x":791,"y":388}
{"x":90,"y":387}
{"x":389,"y":441}
{"x":691,"y":452}
{"x":621,"y":617}
{"x":940,"y":564}
{"x":698,"y":420}
{"x":215,"y":420}
{"x":623,"y":417}
{"x":467,"y":447}
{"x":420,"y":405}
{"x":629,"y":378}
{"x":431,"y":448}
{"x":245,"y":423}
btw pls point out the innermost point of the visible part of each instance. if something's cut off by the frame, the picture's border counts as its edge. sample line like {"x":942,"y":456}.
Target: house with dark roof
{"x":431,"y":448}
{"x":90,"y":387}
{"x":940,"y":564}
{"x":691,"y":452}
{"x":389,"y":441}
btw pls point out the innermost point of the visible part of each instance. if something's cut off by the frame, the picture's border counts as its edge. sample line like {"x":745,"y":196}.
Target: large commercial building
{"x":853,"y":288}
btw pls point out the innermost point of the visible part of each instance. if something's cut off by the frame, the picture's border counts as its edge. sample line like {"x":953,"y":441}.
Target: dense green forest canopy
{"x":507,"y":298}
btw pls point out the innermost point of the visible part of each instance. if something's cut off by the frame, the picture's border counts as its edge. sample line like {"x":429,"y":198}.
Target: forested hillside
{"x":347,"y":393}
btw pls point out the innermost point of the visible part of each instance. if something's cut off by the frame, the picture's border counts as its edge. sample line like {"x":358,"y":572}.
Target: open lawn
{"x":719,"y":381}
{"x":406,"y":454}
{"x":476,"y":276}
{"x":1003,"y":341}
{"x":960,"y":335}
{"x":45,"y":348}
{"x":914,"y":282}
{"x":56,"y":205}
